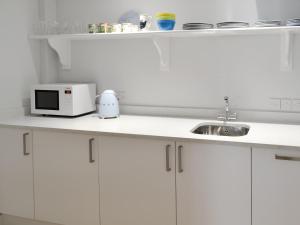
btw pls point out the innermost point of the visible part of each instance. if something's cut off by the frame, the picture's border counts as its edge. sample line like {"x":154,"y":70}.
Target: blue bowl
{"x":166,"y":24}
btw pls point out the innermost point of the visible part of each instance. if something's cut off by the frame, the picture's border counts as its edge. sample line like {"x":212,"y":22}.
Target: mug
{"x":145,"y":22}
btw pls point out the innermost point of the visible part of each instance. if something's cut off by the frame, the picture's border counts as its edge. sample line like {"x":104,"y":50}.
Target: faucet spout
{"x":227,"y":116}
{"x":226,"y":99}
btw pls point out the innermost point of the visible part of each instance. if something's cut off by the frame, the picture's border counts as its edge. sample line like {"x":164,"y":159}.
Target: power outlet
{"x":296,"y":105}
{"x":286,"y":104}
{"x":274,"y":104}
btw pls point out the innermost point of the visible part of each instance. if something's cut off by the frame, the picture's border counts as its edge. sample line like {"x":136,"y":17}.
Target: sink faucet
{"x":227,"y":115}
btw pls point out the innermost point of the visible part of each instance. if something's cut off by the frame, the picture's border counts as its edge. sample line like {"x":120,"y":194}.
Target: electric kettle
{"x":108,"y":106}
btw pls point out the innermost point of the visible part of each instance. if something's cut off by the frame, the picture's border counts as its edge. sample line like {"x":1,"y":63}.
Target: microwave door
{"x":47,"y":100}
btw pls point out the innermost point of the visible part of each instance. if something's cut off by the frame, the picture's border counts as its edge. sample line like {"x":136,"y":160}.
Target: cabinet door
{"x":66,"y":178}
{"x":276,"y":187}
{"x":135,"y":185}
{"x":213,"y":184}
{"x":16,"y":173}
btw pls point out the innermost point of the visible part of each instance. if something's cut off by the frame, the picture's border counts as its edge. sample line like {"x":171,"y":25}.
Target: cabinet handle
{"x":91,"y":150}
{"x":287,"y":158}
{"x":168,"y":168}
{"x":25,"y":144}
{"x":180,"y":149}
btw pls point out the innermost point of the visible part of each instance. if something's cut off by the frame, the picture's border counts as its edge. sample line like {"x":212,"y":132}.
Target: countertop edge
{"x":200,"y":139}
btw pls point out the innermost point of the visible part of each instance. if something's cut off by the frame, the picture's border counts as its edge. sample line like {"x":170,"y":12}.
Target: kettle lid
{"x":109,"y":92}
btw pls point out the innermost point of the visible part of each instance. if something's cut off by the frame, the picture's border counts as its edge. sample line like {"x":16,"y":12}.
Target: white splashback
{"x":203,"y":70}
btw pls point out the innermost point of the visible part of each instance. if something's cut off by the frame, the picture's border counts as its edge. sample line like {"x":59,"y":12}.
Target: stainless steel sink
{"x":233,"y":130}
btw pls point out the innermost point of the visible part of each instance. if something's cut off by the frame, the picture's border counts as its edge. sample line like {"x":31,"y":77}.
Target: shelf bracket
{"x":63,"y":50}
{"x":287,"y":51}
{"x":163,"y":47}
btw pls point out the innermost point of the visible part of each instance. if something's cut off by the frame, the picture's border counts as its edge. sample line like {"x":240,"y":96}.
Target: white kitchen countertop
{"x":178,"y":129}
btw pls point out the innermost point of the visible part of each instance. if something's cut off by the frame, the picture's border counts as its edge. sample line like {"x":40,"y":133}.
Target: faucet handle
{"x":232,"y":116}
{"x":221,"y":117}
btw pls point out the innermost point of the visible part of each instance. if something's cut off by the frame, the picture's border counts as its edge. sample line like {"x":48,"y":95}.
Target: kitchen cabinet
{"x":213,"y":184}
{"x":66,"y":181}
{"x":276,"y":185}
{"x":16,"y":173}
{"x":137,"y":181}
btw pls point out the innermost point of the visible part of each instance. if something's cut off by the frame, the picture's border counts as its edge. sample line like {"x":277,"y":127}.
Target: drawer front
{"x":276,"y":185}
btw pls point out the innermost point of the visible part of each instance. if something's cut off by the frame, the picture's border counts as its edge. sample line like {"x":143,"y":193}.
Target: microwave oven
{"x":63,"y":99}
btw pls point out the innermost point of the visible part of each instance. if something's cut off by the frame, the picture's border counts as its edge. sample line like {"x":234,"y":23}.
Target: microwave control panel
{"x":68,"y":98}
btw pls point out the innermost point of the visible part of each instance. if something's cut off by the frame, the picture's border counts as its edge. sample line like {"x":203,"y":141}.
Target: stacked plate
{"x":197,"y":26}
{"x":293,"y":22}
{"x":268,"y":23}
{"x":232,"y":25}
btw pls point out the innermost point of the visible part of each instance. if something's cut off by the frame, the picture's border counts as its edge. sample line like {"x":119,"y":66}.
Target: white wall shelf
{"x":62,"y":43}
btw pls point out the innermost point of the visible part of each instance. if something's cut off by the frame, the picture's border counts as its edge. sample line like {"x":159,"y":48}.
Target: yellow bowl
{"x":166,"y":16}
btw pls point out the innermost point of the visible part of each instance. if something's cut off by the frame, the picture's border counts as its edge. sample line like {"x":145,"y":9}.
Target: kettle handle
{"x":96,"y":98}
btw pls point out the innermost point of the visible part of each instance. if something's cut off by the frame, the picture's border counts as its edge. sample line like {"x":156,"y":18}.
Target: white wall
{"x":10,"y":220}
{"x":203,"y":70}
{"x":187,"y":11}
{"x":19,"y":61}
{"x":19,"y":57}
